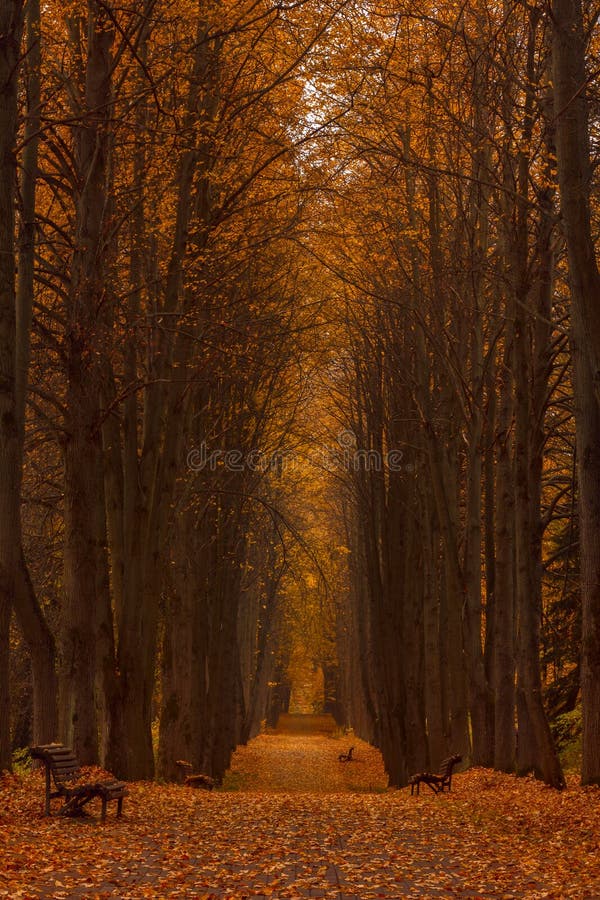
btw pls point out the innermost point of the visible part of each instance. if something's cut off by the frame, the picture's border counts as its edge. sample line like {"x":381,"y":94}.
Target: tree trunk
{"x":41,"y":645}
{"x":11,"y":24}
{"x":106,"y":684}
{"x":79,"y":727}
{"x":177,"y":683}
{"x":540,"y":754}
{"x":30,"y":616}
{"x":412,"y":638}
{"x":454,"y":590}
{"x":574,"y":171}
{"x":535,"y":749}
{"x":476,"y":238}
{"x":84,"y":345}
{"x":478,"y":688}
{"x":587,"y":412}
{"x":489,"y":518}
{"x":27,"y":230}
{"x":39,"y":639}
{"x":504,"y":616}
{"x":434,"y":707}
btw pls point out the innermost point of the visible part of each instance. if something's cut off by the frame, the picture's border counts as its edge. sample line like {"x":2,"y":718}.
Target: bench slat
{"x":53,"y":750}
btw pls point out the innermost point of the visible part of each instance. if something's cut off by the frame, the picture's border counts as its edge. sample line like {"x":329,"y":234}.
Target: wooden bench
{"x":437,"y":783}
{"x":346,"y":757}
{"x":189,"y":779}
{"x":63,"y":768}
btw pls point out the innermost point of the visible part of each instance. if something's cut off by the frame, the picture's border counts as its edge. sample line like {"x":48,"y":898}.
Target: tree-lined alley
{"x":299,"y":354}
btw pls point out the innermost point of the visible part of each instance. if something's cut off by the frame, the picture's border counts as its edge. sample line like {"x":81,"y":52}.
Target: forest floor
{"x":291,"y":821}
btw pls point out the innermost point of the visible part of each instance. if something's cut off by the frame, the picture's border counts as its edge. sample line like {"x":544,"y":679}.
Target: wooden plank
{"x":55,"y":752}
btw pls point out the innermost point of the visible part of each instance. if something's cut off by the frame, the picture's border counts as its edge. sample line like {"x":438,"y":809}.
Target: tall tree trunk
{"x":27,"y":230}
{"x":443,"y":468}
{"x":11,"y":25}
{"x":412,"y":591}
{"x":37,"y":634}
{"x":454,"y":594}
{"x":477,"y":238}
{"x":41,"y":645}
{"x":489,"y":518}
{"x":434,"y":698}
{"x":535,"y":748}
{"x":106,"y":682}
{"x":574,"y":172}
{"x":82,"y":449}
{"x":178,"y":683}
{"x":79,"y":727}
{"x":478,"y":689}
{"x":504,"y":615}
{"x":263,"y":619}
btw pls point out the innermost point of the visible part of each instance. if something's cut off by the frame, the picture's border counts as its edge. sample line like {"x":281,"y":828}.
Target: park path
{"x":302,"y":755}
{"x":291,"y":821}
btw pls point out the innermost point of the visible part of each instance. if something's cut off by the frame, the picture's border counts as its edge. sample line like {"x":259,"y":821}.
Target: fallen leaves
{"x":495,"y":836}
{"x":300,"y":762}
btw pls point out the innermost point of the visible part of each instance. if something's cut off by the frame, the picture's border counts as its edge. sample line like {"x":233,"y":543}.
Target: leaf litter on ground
{"x":291,"y":821}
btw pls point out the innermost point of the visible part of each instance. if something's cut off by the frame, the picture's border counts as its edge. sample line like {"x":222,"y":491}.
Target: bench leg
{"x":119,"y":807}
{"x":103,"y":815}
{"x":47,"y":790}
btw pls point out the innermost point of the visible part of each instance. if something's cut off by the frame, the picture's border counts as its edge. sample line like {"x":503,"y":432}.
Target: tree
{"x":11,"y":26}
{"x":574,"y":172}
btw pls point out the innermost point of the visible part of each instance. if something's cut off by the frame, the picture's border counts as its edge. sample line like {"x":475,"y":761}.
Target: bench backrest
{"x":61,"y":761}
{"x":448,"y":765}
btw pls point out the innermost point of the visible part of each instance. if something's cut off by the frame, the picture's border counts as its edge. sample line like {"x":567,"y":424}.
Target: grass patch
{"x":567,"y":730}
{"x":234,"y":781}
{"x":21,"y":761}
